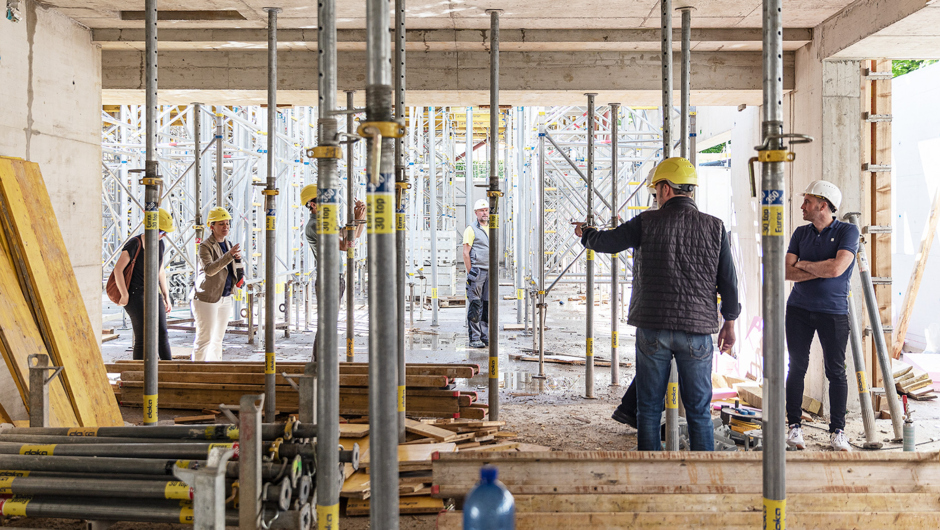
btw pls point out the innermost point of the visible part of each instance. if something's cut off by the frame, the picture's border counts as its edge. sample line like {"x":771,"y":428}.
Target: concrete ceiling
{"x":462,"y":14}
{"x":551,"y":51}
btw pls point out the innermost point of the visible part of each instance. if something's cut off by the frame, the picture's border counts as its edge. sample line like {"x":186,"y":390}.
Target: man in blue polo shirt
{"x":819,"y":262}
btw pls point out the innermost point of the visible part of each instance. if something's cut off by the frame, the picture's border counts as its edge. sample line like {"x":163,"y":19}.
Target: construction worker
{"x":132,"y":296}
{"x":308,"y":196}
{"x":476,"y":259}
{"x":219,"y":270}
{"x":819,"y":261}
{"x":682,"y":261}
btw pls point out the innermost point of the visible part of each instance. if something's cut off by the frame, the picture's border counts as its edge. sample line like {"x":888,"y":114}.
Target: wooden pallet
{"x":451,"y":301}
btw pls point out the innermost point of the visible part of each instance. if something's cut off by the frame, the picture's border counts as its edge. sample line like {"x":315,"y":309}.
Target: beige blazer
{"x":211,"y":271}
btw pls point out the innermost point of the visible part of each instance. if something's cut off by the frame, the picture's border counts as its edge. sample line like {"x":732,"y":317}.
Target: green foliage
{"x":899,"y":68}
{"x":720,"y":148}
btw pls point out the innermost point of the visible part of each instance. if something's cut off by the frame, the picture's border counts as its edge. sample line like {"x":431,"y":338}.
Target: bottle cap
{"x":488,"y":473}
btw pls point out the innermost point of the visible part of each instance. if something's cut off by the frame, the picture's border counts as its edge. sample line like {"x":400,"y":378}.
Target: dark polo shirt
{"x":823,"y":295}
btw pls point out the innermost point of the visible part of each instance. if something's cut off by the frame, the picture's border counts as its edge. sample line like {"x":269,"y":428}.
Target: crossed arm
{"x":801,"y":271}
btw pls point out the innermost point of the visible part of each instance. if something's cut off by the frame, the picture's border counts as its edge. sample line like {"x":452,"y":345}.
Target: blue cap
{"x":488,"y":473}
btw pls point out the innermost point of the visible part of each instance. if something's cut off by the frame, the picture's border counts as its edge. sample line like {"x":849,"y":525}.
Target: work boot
{"x":795,"y":438}
{"x":477,"y":344}
{"x":839,"y":441}
{"x":624,"y":417}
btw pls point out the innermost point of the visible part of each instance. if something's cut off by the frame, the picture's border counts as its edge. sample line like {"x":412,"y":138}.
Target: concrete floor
{"x":551,"y":412}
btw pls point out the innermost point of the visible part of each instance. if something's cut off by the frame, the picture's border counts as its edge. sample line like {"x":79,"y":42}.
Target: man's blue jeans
{"x":655,"y":349}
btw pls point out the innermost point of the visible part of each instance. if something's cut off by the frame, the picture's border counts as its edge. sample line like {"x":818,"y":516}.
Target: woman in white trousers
{"x":218,"y":273}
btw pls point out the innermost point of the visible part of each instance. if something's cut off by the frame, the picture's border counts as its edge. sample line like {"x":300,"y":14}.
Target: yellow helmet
{"x":678,"y":171}
{"x":165,"y":221}
{"x":218,"y":214}
{"x":308,"y":193}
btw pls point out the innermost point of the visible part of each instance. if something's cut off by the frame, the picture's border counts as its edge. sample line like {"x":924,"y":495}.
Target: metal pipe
{"x":270,"y":234}
{"x":614,"y":258}
{"x":151,"y":222}
{"x":877,"y":332}
{"x":494,"y":194}
{"x":864,"y":392}
{"x":147,"y":511}
{"x":197,"y":171}
{"x":350,"y":231}
{"x":328,"y":267}
{"x":686,"y":78}
{"x":383,"y":331}
{"x":219,"y":184}
{"x":518,"y":218}
{"x":191,"y":451}
{"x":541,"y":257}
{"x":249,"y":468}
{"x":589,"y":265}
{"x":666,"y":19}
{"x":468,"y":169}
{"x":432,"y":187}
{"x":95,"y":488}
{"x":208,"y":490}
{"x":228,"y":432}
{"x":401,"y":186}
{"x":772,"y":260}
{"x":672,"y":404}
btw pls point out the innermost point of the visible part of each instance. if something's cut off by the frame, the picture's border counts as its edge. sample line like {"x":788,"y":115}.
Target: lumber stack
{"x":612,"y":489}
{"x":188,"y":385}
{"x":42,"y":310}
{"x":913,"y":382}
{"x":415,"y":460}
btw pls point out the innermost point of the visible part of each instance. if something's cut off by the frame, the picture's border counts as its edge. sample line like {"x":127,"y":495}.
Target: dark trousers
{"x":833,"y":332}
{"x":628,"y":401}
{"x":316,"y":287}
{"x":478,"y":306}
{"x":135,"y":310}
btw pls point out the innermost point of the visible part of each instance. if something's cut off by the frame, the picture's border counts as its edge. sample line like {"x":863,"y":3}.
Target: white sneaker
{"x":795,"y":438}
{"x":840,"y":442}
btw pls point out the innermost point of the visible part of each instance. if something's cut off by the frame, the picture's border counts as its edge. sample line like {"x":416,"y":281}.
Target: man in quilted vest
{"x":682,"y":262}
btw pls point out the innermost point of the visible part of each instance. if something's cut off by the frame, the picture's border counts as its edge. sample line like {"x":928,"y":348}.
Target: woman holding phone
{"x":219,"y":271}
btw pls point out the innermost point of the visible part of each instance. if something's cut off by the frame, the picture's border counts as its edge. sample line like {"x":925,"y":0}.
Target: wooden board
{"x":733,"y":502}
{"x":709,"y":521}
{"x":221,"y":377}
{"x":205,"y":418}
{"x":41,"y":258}
{"x":688,"y":472}
{"x":353,"y":430}
{"x":19,"y":337}
{"x":430,"y":431}
{"x":406,"y":505}
{"x":413,"y":457}
{"x":290,"y":367}
{"x":356,"y":486}
{"x":565,"y":359}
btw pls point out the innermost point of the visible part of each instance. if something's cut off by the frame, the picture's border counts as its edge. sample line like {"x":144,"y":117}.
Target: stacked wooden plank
{"x":560,"y":490}
{"x":429,"y":390}
{"x":914,"y":382}
{"x":425,"y":439}
{"x":42,"y":309}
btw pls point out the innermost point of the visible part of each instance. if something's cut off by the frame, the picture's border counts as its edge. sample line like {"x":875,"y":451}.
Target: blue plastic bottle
{"x":489,"y":505}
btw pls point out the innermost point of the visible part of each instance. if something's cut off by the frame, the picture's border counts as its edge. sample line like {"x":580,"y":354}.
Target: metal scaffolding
{"x":233,"y":171}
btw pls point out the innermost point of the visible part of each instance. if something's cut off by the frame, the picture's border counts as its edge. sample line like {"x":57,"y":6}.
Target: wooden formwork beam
{"x":709,"y":521}
{"x":610,"y":472}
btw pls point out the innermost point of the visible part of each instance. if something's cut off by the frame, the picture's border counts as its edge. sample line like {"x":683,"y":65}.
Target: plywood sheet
{"x":42,"y":260}
{"x":20,"y":337}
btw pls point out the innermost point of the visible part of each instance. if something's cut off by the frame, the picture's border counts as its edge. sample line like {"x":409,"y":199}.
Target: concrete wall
{"x":826,"y":105}
{"x":50,"y":113}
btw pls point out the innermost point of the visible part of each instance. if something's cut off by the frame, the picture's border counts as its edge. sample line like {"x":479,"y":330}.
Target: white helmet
{"x":826,"y":190}
{"x":480,"y":204}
